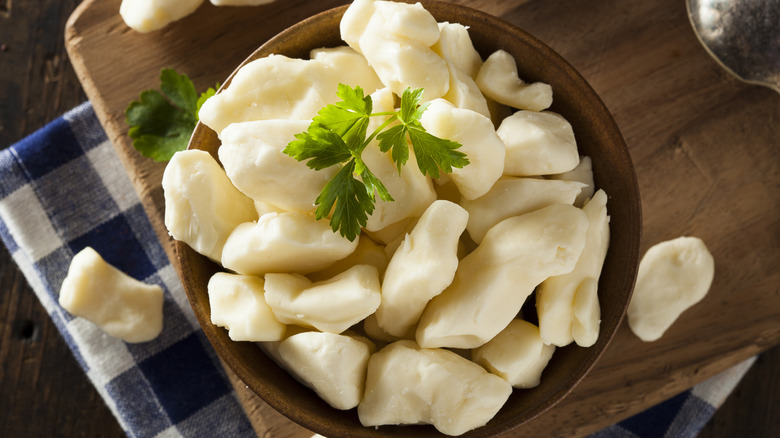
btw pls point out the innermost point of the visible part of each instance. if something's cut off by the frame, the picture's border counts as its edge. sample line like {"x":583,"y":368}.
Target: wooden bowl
{"x":597,"y":136}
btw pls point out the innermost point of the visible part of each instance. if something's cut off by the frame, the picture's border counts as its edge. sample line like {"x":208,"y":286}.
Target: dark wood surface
{"x":43,"y":392}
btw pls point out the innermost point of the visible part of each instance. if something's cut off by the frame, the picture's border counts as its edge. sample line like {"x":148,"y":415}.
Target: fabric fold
{"x":63,"y":188}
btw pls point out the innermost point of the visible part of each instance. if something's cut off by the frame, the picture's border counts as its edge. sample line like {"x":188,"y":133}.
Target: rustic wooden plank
{"x":704,"y":147}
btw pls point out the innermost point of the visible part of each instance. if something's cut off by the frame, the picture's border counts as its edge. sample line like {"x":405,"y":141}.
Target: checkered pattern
{"x":63,"y":188}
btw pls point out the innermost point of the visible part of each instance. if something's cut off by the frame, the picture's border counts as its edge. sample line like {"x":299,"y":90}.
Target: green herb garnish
{"x":161,"y":123}
{"x":337,"y":135}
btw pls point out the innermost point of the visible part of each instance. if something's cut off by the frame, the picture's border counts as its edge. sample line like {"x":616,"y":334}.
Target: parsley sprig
{"x":338,"y":136}
{"x":161,"y":123}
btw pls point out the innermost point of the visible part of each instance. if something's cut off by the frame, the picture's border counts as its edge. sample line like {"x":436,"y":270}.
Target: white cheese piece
{"x":587,"y":314}
{"x":555,"y":296}
{"x":482,"y":146}
{"x":391,"y":233}
{"x":463,"y":61}
{"x":333,"y":365}
{"x":455,"y":46}
{"x":355,"y":20}
{"x":673,"y":276}
{"x":493,"y":281}
{"x":251,"y":153}
{"x":348,"y":66}
{"x":422,"y":267}
{"x":238,"y":304}
{"x":406,"y":384}
{"x":392,"y":246}
{"x":538,"y":143}
{"x":265,"y":208}
{"x":331,"y":305}
{"x":515,"y":196}
{"x":396,"y":38}
{"x":202,"y":207}
{"x":583,"y":173}
{"x":118,"y":304}
{"x":464,"y":93}
{"x":150,"y":15}
{"x":498,"y":79}
{"x":284,"y":242}
{"x":376,"y":333}
{"x":367,"y":252}
{"x":291,"y":89}
{"x":411,"y":190}
{"x":517,"y":354}
{"x":240,"y":2}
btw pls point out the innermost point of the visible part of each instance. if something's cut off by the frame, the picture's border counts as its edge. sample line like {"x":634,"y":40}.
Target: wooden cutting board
{"x":706,"y":149}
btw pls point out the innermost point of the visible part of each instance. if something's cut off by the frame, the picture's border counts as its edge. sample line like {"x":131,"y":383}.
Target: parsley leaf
{"x":161,"y":123}
{"x":348,"y":118}
{"x":337,"y":136}
{"x":352,"y":201}
{"x":432,"y":153}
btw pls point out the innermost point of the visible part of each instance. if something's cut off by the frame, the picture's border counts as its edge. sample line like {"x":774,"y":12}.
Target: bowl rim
{"x":217,"y":336}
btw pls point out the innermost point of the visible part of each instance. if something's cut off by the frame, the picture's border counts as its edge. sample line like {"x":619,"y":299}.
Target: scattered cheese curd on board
{"x":118,"y":304}
{"x":437,"y":278}
{"x":149,"y":15}
{"x":673,"y":276}
{"x":240,"y":2}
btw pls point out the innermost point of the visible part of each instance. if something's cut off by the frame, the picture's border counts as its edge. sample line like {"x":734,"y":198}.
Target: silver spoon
{"x":742,"y":35}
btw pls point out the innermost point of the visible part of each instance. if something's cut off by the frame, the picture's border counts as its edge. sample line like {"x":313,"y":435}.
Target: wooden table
{"x":43,"y":391}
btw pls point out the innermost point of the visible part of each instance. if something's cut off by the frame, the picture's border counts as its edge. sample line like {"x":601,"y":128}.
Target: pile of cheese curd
{"x":417,"y":320}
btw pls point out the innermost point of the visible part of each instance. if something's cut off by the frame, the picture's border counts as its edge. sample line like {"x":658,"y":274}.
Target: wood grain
{"x":43,"y":391}
{"x":705,"y":147}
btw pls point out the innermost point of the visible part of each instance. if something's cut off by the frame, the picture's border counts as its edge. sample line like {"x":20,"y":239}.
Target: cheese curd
{"x":150,"y":15}
{"x":396,"y":39}
{"x":251,"y":153}
{"x":284,"y":242}
{"x":332,"y":305}
{"x":238,"y":304}
{"x":463,"y":62}
{"x":202,"y":206}
{"x":422,"y":267}
{"x":455,"y":46}
{"x":492,"y":283}
{"x":118,"y":304}
{"x":333,"y":365}
{"x":291,"y":89}
{"x":498,"y":79}
{"x":479,"y":141}
{"x":673,"y":276}
{"x":583,"y":173}
{"x":555,"y":297}
{"x":240,"y":2}
{"x":406,"y":384}
{"x":517,"y":354}
{"x":512,"y":197}
{"x":538,"y":143}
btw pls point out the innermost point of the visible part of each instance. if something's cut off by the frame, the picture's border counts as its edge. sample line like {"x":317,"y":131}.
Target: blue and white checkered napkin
{"x":63,"y":188}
